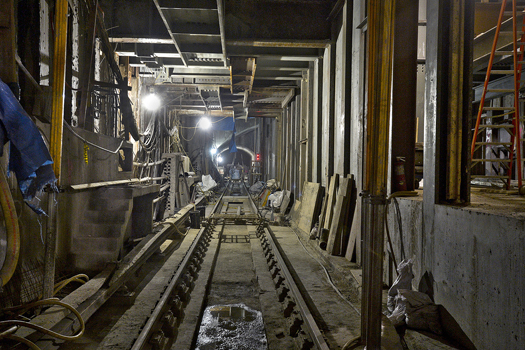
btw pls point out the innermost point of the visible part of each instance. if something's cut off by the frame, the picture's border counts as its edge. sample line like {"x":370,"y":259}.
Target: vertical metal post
{"x":50,"y":248}
{"x":57,"y":128}
{"x":380,"y":48}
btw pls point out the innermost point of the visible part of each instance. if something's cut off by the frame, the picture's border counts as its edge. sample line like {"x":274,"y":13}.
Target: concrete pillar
{"x":447,"y":21}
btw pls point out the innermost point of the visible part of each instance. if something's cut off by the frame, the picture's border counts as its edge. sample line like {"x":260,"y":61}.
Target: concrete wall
{"x":327,"y":121}
{"x":340,"y":101}
{"x":100,"y":165}
{"x":477,"y":268}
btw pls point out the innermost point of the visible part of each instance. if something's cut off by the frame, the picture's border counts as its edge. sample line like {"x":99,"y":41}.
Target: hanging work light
{"x":151,"y":102}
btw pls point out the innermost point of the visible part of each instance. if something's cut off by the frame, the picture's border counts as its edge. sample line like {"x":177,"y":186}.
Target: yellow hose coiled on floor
{"x":13,"y":232}
{"x":46,"y":302}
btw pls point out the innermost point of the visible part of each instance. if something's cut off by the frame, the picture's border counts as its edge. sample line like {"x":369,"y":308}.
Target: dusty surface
{"x":492,"y":201}
{"x":337,"y":318}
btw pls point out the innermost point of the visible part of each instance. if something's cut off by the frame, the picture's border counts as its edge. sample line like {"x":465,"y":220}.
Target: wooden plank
{"x":334,"y":182}
{"x":322,"y":216}
{"x":310,"y":206}
{"x":8,"y":69}
{"x":349,"y":217}
{"x":338,"y":236}
{"x":334,"y":238}
{"x":355,"y":230}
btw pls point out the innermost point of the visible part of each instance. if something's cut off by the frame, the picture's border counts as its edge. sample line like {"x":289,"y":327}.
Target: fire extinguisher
{"x":400,"y":183}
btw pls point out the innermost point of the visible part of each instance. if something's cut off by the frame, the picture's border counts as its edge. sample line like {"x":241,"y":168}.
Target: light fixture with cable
{"x":204,"y":123}
{"x":151,"y":102}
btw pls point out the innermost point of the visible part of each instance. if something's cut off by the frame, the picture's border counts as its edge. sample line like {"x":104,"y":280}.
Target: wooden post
{"x":8,"y":71}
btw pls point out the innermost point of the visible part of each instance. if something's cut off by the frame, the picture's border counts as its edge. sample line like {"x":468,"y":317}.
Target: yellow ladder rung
{"x":494,"y":143}
{"x":491,"y":160}
{"x":497,"y":108}
{"x":502,"y":72}
{"x":500,"y":90}
{"x":491,"y":176}
{"x":490,"y":126}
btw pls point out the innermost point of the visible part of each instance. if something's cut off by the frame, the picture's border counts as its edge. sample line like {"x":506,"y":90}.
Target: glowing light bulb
{"x":213,"y":151}
{"x":204,"y":123}
{"x":151,"y":102}
{"x":219,"y":159}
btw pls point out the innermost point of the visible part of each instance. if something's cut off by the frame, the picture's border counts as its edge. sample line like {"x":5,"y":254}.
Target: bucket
{"x":202,"y":211}
{"x":195,"y":219}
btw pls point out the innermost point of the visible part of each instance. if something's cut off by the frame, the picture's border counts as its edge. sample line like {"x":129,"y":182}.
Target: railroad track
{"x":234,"y":259}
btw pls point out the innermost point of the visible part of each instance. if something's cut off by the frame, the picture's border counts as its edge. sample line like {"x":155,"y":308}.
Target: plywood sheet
{"x":311,"y":204}
{"x":334,"y":182}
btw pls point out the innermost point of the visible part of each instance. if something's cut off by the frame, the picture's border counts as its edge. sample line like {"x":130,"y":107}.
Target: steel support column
{"x":405,"y":88}
{"x":380,"y":45}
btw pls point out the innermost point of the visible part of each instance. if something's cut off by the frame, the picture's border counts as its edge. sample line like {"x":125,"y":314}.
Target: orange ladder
{"x":506,"y":118}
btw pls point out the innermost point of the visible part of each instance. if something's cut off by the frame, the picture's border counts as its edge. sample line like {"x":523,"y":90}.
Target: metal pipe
{"x":50,"y":248}
{"x":57,"y":129}
{"x":517,"y":114}
{"x":59,"y":80}
{"x":380,"y":48}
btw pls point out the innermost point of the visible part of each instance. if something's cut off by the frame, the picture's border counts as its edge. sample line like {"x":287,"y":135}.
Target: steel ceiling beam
{"x":303,"y":44}
{"x":188,"y":4}
{"x":173,"y":37}
{"x":220,"y":10}
{"x":140,"y":40}
{"x":253,"y":51}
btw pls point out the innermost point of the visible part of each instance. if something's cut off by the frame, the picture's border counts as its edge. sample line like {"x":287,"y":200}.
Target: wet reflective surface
{"x":235,"y":327}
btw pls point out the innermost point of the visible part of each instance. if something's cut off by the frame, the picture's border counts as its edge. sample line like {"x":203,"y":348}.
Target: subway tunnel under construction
{"x":262,"y":174}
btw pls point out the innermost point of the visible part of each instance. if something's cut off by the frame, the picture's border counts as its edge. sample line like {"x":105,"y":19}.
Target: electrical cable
{"x":41,"y":329}
{"x":25,"y":341}
{"x":12,"y":231}
{"x":385,"y":216}
{"x":93,"y":144}
{"x":327,"y":274}
{"x":77,"y":278}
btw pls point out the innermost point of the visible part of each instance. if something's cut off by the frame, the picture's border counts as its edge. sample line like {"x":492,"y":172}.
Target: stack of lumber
{"x":337,"y":215}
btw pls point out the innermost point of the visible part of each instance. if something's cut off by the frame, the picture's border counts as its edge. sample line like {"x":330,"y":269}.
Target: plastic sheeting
{"x":403,"y":281}
{"x":29,"y":157}
{"x":207,"y":183}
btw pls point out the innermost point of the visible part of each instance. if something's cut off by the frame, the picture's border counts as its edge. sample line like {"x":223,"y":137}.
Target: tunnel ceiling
{"x":241,"y":57}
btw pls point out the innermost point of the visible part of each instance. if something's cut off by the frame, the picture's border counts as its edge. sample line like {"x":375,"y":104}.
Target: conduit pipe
{"x":59,"y":71}
{"x":57,"y":130}
{"x":380,"y":49}
{"x":8,"y":266}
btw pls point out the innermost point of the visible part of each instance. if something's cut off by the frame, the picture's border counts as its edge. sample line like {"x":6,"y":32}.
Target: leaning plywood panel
{"x":311,"y":203}
{"x":334,"y":182}
{"x":334,"y":238}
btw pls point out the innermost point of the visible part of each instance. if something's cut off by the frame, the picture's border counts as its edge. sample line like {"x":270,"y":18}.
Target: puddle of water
{"x":231,"y":327}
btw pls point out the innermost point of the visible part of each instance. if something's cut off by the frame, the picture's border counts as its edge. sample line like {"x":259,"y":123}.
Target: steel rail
{"x":163,"y":303}
{"x":308,"y":318}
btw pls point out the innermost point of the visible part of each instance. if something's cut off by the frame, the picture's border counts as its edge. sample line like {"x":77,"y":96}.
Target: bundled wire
{"x":11,"y":326}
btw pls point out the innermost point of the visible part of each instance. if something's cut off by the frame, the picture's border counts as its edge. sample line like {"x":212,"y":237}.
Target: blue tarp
{"x":233,"y":146}
{"x":29,"y":157}
{"x":225,"y":124}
